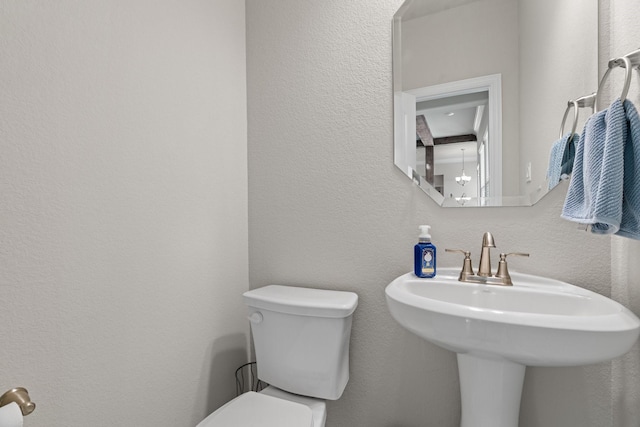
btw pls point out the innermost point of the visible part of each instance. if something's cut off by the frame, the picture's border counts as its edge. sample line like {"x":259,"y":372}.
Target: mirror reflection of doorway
{"x":449,"y":135}
{"x":434,"y":124}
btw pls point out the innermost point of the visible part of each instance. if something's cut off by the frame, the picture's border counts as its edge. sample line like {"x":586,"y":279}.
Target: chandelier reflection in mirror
{"x":462,"y":199}
{"x":463,"y":179}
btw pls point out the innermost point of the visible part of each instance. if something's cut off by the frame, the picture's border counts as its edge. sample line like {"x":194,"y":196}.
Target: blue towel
{"x":595,"y":191}
{"x":555,"y":161}
{"x":569,"y":157}
{"x":630,"y":225}
{"x":561,"y":159}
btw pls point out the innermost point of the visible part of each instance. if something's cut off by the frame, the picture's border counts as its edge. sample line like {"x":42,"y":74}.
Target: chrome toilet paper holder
{"x":19,"y":395}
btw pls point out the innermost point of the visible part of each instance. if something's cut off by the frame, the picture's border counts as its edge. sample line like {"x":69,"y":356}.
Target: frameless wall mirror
{"x":480,"y":88}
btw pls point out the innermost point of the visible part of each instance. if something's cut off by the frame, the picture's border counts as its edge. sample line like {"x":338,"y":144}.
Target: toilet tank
{"x":301,"y":338}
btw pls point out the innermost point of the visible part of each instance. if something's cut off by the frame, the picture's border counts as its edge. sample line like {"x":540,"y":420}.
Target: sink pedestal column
{"x":490,"y":390}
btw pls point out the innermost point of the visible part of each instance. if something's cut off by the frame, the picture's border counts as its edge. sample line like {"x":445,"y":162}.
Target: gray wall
{"x":329,"y":209}
{"x":123,"y":208}
{"x":620,"y":34}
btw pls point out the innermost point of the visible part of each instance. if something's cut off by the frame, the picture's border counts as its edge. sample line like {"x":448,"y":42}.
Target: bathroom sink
{"x":499,"y":330}
{"x":538,"y":321}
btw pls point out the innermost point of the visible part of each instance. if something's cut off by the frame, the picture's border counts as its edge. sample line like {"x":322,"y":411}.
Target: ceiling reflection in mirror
{"x":480,"y":88}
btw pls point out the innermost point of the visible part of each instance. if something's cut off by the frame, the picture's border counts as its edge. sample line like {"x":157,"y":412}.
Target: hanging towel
{"x":630,"y":225}
{"x":595,"y":191}
{"x":561,"y":159}
{"x":568,"y":157}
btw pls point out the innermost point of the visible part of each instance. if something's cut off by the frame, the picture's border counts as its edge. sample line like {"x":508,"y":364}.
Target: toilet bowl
{"x":301,"y":340}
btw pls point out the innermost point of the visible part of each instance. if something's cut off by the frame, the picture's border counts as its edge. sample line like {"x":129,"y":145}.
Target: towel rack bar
{"x":627,"y":65}
{"x":587,"y":101}
{"x":570,"y":104}
{"x":633,"y":57}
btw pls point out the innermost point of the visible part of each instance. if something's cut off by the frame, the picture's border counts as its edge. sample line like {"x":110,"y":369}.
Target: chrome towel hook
{"x":587,"y":101}
{"x":628,"y":62}
{"x":570,"y":104}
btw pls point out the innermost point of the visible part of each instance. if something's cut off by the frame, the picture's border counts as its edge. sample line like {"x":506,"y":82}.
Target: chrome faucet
{"x":484,"y":268}
{"x":484,"y":275}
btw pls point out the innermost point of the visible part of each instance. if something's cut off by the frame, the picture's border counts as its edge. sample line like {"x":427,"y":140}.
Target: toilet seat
{"x":318,"y":406}
{"x":253,"y":409}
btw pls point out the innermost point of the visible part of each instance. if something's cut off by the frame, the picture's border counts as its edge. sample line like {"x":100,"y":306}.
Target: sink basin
{"x":536,"y":322}
{"x":498,"y":330}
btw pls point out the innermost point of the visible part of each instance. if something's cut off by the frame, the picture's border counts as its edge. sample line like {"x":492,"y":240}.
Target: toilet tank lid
{"x":302,"y":301}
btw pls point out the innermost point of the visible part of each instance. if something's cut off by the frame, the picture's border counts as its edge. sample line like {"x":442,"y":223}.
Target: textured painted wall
{"x":329,"y":209}
{"x":123,"y":208}
{"x":621,"y":35}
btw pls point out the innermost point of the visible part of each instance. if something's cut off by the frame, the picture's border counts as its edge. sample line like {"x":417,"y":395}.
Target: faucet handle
{"x":462,"y":251}
{"x":503,"y":270}
{"x":467,"y":269}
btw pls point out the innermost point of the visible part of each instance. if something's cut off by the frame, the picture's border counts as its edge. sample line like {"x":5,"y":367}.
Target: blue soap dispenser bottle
{"x":424,"y":254}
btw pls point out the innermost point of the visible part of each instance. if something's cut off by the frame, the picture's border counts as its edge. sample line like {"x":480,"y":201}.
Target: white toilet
{"x":301,"y":339}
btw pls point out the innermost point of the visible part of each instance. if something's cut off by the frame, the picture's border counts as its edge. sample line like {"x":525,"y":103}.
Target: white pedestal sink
{"x":497,"y":331}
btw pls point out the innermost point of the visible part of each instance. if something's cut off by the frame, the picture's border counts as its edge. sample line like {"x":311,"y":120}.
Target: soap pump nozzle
{"x":425,"y":235}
